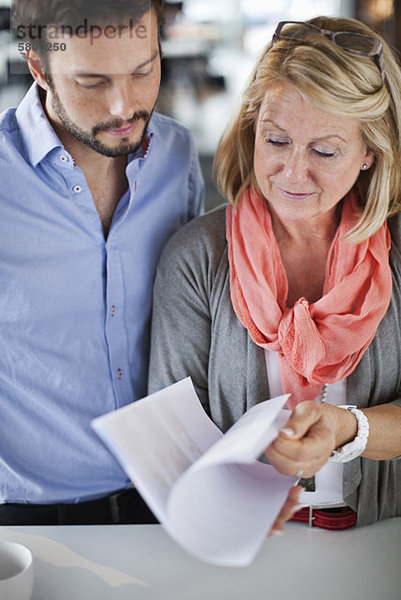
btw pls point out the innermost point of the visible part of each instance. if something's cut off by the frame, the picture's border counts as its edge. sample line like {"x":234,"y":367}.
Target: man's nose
{"x":122,"y":101}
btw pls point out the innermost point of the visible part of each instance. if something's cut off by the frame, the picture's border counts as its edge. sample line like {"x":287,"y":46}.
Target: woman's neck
{"x":304,"y":248}
{"x":320,"y":230}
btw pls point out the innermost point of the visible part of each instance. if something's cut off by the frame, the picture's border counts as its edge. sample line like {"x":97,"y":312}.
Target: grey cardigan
{"x":196,"y":332}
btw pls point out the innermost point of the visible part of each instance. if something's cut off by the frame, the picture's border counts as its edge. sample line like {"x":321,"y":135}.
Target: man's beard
{"x":89,"y":138}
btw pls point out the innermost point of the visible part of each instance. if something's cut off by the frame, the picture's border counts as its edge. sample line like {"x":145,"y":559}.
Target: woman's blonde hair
{"x":337,"y":81}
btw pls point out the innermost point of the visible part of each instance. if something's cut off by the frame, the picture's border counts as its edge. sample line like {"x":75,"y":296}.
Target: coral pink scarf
{"x":320,"y":342}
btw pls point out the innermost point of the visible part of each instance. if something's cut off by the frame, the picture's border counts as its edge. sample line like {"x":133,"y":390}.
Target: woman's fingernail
{"x":288,"y":432}
{"x":277,"y":532}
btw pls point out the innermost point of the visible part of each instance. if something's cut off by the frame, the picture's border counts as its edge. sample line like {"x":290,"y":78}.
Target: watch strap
{"x":357,"y":446}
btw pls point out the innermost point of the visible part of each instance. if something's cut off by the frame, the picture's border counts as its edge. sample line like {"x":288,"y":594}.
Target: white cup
{"x":16,"y":572}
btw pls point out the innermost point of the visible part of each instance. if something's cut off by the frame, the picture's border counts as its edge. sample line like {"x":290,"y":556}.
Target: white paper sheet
{"x":208,"y":489}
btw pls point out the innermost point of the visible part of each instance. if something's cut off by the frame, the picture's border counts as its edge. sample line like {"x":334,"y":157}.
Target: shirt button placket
{"x":116,"y":332}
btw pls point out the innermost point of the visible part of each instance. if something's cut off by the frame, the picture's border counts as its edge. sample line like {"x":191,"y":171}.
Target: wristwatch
{"x":357,"y":446}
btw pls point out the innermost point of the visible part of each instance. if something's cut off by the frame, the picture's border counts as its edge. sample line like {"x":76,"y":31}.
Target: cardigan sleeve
{"x":181,"y":319}
{"x":372,"y":487}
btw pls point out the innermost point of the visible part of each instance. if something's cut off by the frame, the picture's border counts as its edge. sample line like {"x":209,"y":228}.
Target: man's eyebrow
{"x":151,"y":59}
{"x":106,"y":75}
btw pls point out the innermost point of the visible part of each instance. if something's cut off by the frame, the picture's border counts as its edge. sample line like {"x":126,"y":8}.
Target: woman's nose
{"x":296,"y":168}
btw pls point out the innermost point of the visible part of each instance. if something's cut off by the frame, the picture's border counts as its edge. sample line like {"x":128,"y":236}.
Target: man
{"x":93,"y":183}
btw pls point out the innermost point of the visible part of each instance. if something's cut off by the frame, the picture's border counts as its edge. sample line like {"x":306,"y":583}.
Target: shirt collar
{"x":38,"y":135}
{"x":143,"y":150}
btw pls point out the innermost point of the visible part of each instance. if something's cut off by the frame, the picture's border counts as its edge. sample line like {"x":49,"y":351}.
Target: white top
{"x":329,"y":480}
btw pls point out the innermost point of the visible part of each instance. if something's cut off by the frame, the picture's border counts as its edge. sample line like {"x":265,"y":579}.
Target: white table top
{"x":140,"y":562}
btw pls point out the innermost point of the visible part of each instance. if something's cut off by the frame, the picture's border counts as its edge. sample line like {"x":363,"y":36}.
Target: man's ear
{"x":36,"y":69}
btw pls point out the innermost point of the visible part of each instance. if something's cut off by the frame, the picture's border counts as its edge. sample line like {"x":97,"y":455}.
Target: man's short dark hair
{"x":28,"y":17}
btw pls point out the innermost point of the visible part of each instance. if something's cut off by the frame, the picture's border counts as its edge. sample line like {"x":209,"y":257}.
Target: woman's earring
{"x":364,"y":166}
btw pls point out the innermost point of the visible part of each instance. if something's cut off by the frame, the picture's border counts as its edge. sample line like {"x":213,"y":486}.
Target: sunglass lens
{"x":355,"y":42}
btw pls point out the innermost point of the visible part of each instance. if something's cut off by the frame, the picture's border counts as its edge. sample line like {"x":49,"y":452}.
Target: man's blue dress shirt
{"x":74,"y":306}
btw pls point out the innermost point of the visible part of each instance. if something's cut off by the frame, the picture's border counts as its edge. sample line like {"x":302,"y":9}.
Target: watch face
{"x":308,"y":484}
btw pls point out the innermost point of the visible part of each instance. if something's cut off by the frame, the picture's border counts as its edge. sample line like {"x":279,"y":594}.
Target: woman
{"x":296,"y":285}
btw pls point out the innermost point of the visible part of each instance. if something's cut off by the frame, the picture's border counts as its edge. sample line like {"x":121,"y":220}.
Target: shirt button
{"x":77,"y":189}
{"x":64,"y":158}
{"x":119,"y":374}
{"x":113,"y":311}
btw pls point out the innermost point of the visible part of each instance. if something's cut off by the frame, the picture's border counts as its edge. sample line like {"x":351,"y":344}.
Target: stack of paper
{"x":208,"y":489}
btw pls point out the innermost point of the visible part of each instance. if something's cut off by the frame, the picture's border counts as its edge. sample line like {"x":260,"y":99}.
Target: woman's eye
{"x":276,"y":142}
{"x":324,"y":154}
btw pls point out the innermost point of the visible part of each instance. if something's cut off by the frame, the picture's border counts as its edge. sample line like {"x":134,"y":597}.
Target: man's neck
{"x":104,"y":175}
{"x":106,"y":179}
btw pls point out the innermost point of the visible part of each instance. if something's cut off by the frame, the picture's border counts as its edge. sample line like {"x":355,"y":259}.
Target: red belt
{"x":327,"y":518}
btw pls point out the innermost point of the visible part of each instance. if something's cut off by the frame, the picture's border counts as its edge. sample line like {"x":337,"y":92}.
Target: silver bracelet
{"x":357,"y":446}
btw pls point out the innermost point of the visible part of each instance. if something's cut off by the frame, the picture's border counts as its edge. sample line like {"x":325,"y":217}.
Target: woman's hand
{"x":312,"y":432}
{"x":290,"y":507}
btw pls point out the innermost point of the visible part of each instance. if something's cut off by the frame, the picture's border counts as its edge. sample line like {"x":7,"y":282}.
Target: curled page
{"x":209,"y":490}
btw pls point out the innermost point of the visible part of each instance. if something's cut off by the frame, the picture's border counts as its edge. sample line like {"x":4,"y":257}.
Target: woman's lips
{"x":295,"y":196}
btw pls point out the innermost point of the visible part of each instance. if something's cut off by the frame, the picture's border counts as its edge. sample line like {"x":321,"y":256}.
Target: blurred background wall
{"x":209,"y":48}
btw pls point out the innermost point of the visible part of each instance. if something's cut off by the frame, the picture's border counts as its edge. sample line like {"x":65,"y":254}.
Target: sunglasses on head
{"x":356,"y":43}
